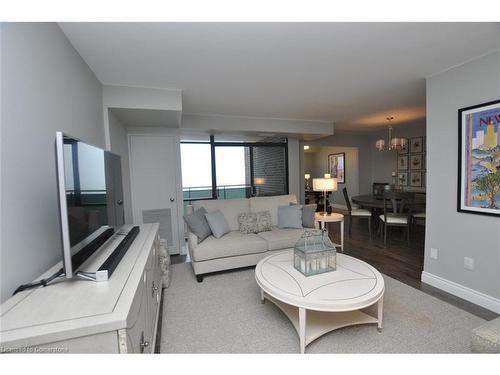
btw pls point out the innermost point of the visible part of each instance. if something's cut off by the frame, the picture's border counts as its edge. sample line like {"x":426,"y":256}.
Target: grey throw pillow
{"x":217,"y":223}
{"x":290,"y":216}
{"x":198,"y":224}
{"x":308,"y":212}
{"x":264,"y":221}
{"x":247,"y":222}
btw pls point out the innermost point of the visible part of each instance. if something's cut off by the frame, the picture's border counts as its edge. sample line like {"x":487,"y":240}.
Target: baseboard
{"x":463,"y":292}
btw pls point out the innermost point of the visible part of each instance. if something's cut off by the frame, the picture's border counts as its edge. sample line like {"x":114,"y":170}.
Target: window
{"x":233,"y":169}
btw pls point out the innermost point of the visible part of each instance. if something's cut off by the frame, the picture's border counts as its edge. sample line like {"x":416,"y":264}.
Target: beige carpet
{"x":224,"y":315}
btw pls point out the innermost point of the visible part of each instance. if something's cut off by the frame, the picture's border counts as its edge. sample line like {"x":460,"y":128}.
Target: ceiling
{"x":354,"y":74}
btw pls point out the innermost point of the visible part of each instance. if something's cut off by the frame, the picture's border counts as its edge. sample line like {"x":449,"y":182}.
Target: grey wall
{"x":373,"y":165}
{"x":46,"y":87}
{"x":455,"y":234}
{"x":119,"y":145}
{"x":316,"y":163}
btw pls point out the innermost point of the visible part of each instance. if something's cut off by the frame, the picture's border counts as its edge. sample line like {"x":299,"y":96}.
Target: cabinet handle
{"x":144,"y":344}
{"x":154,"y":289}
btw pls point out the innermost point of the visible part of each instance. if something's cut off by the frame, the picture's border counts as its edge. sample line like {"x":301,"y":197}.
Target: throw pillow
{"x":264,"y":221}
{"x":290,"y":216}
{"x":247,"y":222}
{"x":308,"y":212}
{"x":198,"y":224}
{"x":217,"y":223}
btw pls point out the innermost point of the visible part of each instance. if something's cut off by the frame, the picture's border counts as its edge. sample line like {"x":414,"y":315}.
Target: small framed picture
{"x":416,"y":145}
{"x":404,"y":150}
{"x":416,"y":179}
{"x":403,"y":178}
{"x":416,"y":161}
{"x":336,"y":166}
{"x":403,"y":163}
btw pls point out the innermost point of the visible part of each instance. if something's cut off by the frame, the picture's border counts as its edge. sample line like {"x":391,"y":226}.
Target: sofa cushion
{"x":217,"y":223}
{"x":264,"y":221}
{"x":230,"y":208}
{"x":271,"y":204}
{"x":280,"y":238}
{"x":486,"y":338}
{"x":198,"y":224}
{"x":232,"y":244}
{"x":290,"y":216}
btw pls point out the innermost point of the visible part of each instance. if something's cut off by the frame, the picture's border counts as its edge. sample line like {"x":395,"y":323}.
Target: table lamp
{"x":324,"y":185}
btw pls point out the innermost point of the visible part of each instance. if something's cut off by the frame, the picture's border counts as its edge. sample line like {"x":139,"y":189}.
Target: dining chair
{"x":398,"y":209}
{"x":358,"y":213}
{"x":418,"y":218}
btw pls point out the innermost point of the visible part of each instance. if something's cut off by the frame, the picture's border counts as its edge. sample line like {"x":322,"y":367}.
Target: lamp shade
{"x":307,"y":176}
{"x":259,"y":181}
{"x":324,"y":184}
{"x":327,"y":175}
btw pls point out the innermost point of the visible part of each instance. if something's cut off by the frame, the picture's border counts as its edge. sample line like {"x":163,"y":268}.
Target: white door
{"x":153,"y":175}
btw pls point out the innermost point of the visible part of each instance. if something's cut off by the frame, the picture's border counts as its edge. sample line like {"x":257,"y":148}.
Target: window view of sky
{"x":196,"y":167}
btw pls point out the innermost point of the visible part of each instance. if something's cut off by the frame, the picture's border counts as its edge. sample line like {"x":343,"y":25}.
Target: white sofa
{"x":235,"y":249}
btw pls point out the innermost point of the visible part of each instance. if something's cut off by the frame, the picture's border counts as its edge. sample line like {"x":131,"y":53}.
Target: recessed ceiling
{"x":354,"y":74}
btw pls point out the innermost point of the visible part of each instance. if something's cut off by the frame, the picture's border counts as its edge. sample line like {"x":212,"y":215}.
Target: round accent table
{"x":322,"y":218}
{"x":321,"y":303}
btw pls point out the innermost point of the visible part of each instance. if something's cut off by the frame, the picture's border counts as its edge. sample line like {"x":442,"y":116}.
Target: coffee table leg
{"x":302,"y":329}
{"x":380,"y":310}
{"x":262,"y":299}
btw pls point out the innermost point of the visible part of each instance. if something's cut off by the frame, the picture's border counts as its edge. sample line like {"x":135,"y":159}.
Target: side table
{"x":323,"y":218}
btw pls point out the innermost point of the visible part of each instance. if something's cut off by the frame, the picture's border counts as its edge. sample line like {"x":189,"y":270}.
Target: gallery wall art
{"x":479,"y":159}
{"x":336,"y":166}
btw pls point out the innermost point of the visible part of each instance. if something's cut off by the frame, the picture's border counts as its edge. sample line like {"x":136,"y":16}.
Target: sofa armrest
{"x":192,"y":243}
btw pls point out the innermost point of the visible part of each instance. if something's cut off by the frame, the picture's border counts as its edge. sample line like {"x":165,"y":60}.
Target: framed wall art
{"x":416,"y":161}
{"x":403,"y":178}
{"x":416,"y":145}
{"x":479,"y":159}
{"x":403,"y":162}
{"x":336,"y":166}
{"x":416,"y":179}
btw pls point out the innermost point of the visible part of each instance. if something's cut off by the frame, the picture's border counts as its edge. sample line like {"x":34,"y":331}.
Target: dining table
{"x":372,"y":201}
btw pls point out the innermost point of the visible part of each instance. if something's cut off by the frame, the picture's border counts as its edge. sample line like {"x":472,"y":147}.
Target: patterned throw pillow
{"x":247,"y":222}
{"x":264,"y":221}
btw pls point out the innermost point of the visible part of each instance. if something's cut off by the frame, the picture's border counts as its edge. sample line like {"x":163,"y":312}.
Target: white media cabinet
{"x":78,"y":316}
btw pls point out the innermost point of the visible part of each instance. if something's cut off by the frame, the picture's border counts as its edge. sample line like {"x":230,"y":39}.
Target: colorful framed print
{"x":416,"y":145}
{"x":403,"y":163}
{"x":403,"y":178}
{"x":416,"y":179}
{"x":479,"y":159}
{"x":416,"y":161}
{"x":336,"y":166}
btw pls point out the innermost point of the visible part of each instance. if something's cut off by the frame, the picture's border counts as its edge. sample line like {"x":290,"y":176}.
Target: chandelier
{"x":393,"y":143}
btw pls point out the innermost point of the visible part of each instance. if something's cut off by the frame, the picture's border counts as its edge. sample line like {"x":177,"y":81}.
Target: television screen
{"x":86,"y":180}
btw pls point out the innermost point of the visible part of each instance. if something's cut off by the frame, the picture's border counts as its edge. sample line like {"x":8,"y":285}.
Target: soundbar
{"x":107,"y":268}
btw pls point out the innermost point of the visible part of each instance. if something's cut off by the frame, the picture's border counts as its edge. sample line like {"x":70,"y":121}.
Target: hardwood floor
{"x":398,"y":260}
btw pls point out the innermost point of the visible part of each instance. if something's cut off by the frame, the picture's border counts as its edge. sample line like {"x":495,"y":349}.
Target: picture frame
{"x":402,"y":162}
{"x":416,"y":162}
{"x":336,"y":166}
{"x":478,"y":164}
{"x":404,"y":150}
{"x":403,"y":178}
{"x":416,"y":145}
{"x":416,"y":179}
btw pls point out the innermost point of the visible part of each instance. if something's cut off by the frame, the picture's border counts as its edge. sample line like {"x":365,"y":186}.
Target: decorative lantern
{"x":314,"y":253}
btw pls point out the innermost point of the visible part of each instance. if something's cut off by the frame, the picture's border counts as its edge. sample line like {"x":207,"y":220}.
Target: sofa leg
{"x":199,"y":278}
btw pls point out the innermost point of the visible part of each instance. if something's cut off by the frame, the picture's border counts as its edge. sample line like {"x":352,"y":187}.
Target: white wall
{"x":455,"y":234}
{"x":46,"y":87}
{"x":119,"y":145}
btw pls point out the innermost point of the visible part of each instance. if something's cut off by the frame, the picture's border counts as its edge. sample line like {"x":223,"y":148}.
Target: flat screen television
{"x":89,"y":188}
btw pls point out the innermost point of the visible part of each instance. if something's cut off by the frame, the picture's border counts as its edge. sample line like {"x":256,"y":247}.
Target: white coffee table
{"x":322,"y":303}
